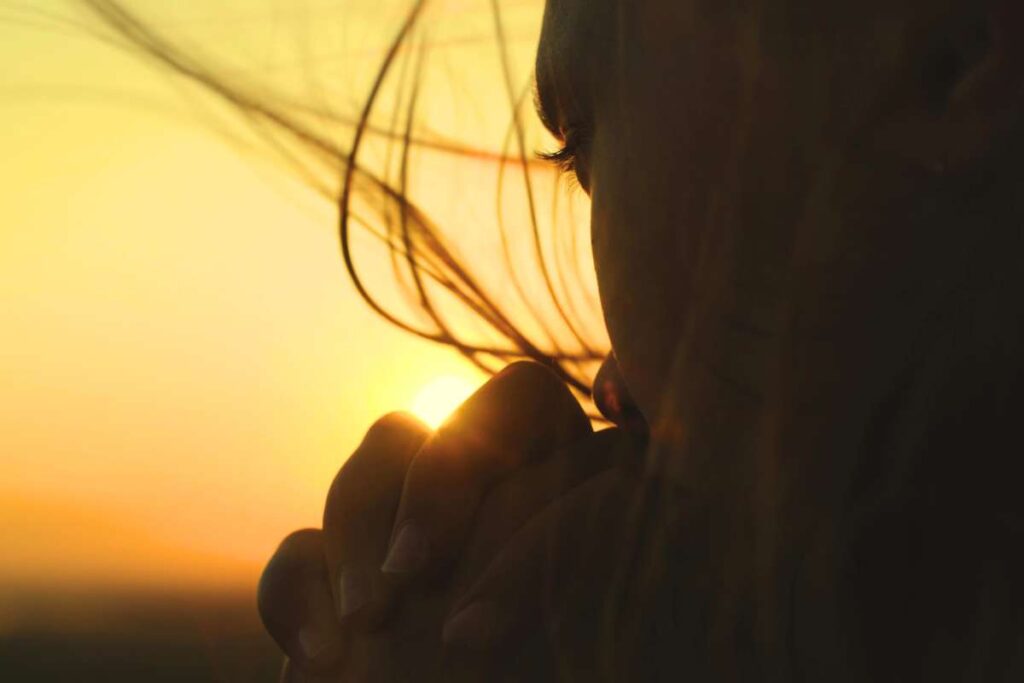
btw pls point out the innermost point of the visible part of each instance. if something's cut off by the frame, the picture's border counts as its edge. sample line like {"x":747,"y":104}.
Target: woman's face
{"x":747,"y":165}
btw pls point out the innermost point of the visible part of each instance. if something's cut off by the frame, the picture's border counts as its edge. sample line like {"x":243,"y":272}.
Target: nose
{"x":612,"y":398}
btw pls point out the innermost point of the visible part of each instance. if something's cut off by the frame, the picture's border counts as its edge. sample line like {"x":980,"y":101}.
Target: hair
{"x":882,"y":543}
{"x":547,"y":316}
{"x":795,"y":572}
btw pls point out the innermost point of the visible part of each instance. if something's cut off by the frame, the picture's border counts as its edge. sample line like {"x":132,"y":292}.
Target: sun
{"x":439,"y":399}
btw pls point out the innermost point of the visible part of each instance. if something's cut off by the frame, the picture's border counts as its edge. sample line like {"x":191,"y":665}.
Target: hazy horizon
{"x":185,"y":362}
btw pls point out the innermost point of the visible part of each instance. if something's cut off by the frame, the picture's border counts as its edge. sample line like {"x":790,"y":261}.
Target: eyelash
{"x":566,"y":158}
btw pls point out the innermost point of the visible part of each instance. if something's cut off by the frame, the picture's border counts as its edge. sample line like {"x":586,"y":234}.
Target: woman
{"x":807,"y":234}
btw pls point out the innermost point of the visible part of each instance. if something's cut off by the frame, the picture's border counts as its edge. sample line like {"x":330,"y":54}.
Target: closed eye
{"x":564,"y":158}
{"x":570,"y":158}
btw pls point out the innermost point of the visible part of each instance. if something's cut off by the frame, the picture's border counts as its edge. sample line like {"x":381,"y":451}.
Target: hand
{"x":493,"y":451}
{"x":538,"y":612}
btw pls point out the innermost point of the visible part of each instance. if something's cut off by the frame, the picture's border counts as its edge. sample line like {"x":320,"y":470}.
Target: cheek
{"x":659,"y":157}
{"x":665,"y":159}
{"x":639,"y":295}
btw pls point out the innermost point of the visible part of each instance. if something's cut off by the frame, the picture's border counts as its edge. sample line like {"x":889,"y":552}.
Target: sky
{"x":184,"y":364}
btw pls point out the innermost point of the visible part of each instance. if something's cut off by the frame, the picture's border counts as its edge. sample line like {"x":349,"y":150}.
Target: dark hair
{"x":447,"y":299}
{"x":866,"y":522}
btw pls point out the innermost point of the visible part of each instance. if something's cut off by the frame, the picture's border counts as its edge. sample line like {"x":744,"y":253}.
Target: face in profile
{"x":761,"y":170}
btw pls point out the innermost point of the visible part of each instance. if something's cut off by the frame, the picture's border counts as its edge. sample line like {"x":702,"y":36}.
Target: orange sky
{"x":183,"y":363}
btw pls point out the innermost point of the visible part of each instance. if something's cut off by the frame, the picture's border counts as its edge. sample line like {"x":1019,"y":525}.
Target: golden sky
{"x":183,"y":362}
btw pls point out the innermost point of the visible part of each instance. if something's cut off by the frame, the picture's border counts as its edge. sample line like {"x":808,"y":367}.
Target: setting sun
{"x":439,"y":399}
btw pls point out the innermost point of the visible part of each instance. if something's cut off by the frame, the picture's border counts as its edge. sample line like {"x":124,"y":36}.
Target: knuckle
{"x":389,"y":443}
{"x":394,"y":424}
{"x":373,"y":475}
{"x":299,"y":545}
{"x":531,"y":375}
{"x":344,"y":499}
{"x":341,"y":500}
{"x":522,"y":391}
{"x":270,"y":603}
{"x":296,"y":554}
{"x":538,"y":391}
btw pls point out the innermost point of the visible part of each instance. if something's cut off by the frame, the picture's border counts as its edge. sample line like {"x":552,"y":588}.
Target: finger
{"x":550,"y":576}
{"x":294,"y":600}
{"x":359,"y":515}
{"x":522,"y":414}
{"x":522,"y":495}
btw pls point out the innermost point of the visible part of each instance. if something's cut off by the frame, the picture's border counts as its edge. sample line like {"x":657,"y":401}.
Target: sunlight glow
{"x":439,"y":399}
{"x":179,"y":373}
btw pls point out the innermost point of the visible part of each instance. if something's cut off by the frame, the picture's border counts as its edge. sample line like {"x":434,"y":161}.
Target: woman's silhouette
{"x":807,"y":227}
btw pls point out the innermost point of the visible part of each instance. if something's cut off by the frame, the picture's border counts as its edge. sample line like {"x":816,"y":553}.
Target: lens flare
{"x":439,"y":399}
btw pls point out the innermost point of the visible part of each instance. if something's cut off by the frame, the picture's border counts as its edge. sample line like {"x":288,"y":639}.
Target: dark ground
{"x":140,"y":639}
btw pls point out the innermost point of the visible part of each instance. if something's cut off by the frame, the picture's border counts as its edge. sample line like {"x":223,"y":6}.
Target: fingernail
{"x":355,"y":589}
{"x":473,"y":626}
{"x":313,"y":643}
{"x":409,"y":553}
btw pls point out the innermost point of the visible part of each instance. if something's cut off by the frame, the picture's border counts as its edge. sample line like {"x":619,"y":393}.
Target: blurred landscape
{"x":184,"y":363}
{"x":120,"y":636}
